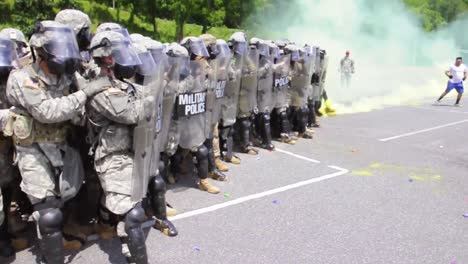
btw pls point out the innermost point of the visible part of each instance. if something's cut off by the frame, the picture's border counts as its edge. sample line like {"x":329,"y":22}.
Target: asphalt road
{"x":388,"y":186}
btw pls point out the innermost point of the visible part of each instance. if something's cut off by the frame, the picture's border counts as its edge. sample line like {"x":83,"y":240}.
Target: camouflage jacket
{"x":114,"y":113}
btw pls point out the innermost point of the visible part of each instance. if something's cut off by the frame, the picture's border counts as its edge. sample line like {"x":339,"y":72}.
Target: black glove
{"x":464,"y":78}
{"x":450,"y":76}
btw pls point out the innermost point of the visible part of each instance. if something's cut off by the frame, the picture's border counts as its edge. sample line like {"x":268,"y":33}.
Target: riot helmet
{"x":80,"y":23}
{"x":210,"y":44}
{"x":55,"y":44}
{"x":7,"y":57}
{"x":195,"y":47}
{"x":261,"y":45}
{"x":294,"y":51}
{"x":238,"y":43}
{"x":113,"y":44}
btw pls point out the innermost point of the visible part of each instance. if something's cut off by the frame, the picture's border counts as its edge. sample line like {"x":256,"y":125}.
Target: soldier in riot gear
{"x":114,"y":113}
{"x":300,"y":81}
{"x":229,"y":108}
{"x":280,"y":92}
{"x":22,"y":48}
{"x":51,"y":170}
{"x":219,"y":57}
{"x":8,"y":56}
{"x":318,"y":82}
{"x":79,"y":220}
{"x":247,"y":102}
{"x":150,"y":74}
{"x":264,"y":91}
{"x":189,"y":132}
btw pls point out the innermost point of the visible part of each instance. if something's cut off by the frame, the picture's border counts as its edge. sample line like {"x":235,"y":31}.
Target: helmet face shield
{"x":61,"y":43}
{"x":7,"y":52}
{"x":263,"y":49}
{"x":274,"y":52}
{"x":147,"y":66}
{"x":240,"y":48}
{"x":295,"y":55}
{"x":124,"y":54}
{"x":198,"y":48}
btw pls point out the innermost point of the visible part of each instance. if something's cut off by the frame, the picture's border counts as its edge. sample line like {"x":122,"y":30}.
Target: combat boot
{"x":250,"y":150}
{"x":205,"y":185}
{"x":306,"y":135}
{"x":220,"y":165}
{"x":217,"y":175}
{"x":285,"y":138}
{"x":233,"y":160}
{"x":166,"y":227}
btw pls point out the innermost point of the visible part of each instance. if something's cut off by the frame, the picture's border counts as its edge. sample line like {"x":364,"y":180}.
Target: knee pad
{"x":245,"y":122}
{"x":50,"y":221}
{"x":135,"y":217}
{"x":202,"y":152}
{"x":157,"y":184}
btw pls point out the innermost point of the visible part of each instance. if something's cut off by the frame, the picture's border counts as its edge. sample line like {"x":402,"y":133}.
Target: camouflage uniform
{"x":44,"y":107}
{"x":114,"y":114}
{"x":347,"y":70}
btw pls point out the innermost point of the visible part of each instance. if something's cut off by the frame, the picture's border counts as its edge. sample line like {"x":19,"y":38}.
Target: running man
{"x":457,"y":75}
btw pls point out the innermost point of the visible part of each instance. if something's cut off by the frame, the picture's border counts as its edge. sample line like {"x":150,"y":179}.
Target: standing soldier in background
{"x":51,"y":170}
{"x":347,"y":70}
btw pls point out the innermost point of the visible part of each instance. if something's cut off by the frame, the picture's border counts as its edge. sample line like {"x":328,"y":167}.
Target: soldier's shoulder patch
{"x":31,"y":84}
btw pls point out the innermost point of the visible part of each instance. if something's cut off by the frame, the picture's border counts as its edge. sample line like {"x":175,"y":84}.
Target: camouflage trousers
{"x":115,"y":173}
{"x":216,"y":149}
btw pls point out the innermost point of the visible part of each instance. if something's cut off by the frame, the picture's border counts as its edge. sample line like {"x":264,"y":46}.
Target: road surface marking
{"x":297,"y":156}
{"x":247,"y":198}
{"x":423,"y":131}
{"x":437,"y":110}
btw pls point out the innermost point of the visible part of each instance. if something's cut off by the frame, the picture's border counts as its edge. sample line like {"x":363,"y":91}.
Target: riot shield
{"x":316,"y":75}
{"x":221,"y":67}
{"x":249,"y":83}
{"x":281,"y":81}
{"x":231,"y":92}
{"x":300,"y":80}
{"x":144,"y":135}
{"x":170,"y":84}
{"x":190,"y":107}
{"x":265,"y":84}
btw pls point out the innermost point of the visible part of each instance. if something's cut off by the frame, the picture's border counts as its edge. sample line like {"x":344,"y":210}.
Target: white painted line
{"x":437,"y":110}
{"x":247,"y":198}
{"x":423,"y":130}
{"x":297,"y":156}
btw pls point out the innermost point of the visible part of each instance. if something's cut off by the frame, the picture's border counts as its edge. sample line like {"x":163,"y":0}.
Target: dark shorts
{"x":456,"y":86}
